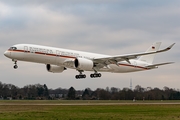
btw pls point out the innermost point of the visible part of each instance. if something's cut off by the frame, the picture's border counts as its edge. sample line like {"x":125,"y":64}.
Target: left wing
{"x":101,"y":62}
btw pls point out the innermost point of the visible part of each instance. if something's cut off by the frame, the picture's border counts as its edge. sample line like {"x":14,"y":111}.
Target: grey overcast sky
{"x":112,"y":27}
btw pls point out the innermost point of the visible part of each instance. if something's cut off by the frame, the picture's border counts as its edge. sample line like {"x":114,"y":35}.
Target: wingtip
{"x":171,"y":62}
{"x":171,"y":46}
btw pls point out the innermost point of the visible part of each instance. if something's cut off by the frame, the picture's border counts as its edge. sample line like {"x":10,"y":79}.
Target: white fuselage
{"x":65,"y":58}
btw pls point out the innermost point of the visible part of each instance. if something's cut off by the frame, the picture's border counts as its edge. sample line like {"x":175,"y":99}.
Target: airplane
{"x":57,"y":59}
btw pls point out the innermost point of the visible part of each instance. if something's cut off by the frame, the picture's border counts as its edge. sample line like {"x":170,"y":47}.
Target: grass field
{"x":89,"y":110}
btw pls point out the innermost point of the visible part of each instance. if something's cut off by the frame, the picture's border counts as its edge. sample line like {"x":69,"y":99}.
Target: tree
{"x":46,"y":91}
{"x":30,"y":92}
{"x":85,"y":94}
{"x":71,"y":93}
{"x":138,"y":88}
{"x":102,"y":94}
{"x":114,"y":90}
{"x":40,"y":90}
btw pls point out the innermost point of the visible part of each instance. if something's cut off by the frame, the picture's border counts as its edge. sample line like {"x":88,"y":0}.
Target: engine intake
{"x":55,"y":69}
{"x":83,"y":64}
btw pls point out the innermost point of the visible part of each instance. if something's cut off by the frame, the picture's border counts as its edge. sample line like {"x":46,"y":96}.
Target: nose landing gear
{"x":15,"y":64}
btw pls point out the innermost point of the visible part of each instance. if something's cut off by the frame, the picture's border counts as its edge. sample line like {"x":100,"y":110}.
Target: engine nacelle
{"x":55,"y":69}
{"x":83,"y":64}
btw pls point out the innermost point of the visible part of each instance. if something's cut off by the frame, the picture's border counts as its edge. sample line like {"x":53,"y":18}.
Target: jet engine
{"x":83,"y":64}
{"x":55,"y":69}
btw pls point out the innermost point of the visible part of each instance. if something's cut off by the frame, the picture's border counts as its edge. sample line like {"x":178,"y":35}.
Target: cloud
{"x":107,"y":27}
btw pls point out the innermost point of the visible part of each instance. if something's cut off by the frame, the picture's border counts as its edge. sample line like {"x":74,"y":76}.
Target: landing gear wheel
{"x":91,"y":75}
{"x":15,"y":66}
{"x":84,"y":76}
{"x":99,"y":75}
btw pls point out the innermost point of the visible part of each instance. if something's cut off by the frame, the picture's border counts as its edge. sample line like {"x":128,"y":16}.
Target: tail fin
{"x":150,"y":58}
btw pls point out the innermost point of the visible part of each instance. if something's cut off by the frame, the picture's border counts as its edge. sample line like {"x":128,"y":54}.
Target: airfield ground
{"x":89,"y":110}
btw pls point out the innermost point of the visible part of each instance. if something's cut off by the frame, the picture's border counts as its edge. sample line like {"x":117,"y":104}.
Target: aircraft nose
{"x":7,"y":53}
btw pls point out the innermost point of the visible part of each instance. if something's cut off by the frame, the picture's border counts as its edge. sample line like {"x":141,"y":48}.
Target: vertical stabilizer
{"x":149,"y":58}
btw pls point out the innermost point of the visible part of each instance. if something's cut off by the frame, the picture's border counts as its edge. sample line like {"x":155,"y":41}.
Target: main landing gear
{"x":95,"y":75}
{"x":81,"y":76}
{"x":15,"y":64}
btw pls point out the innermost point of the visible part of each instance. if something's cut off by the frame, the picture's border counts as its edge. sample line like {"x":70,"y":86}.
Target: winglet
{"x":168,"y":48}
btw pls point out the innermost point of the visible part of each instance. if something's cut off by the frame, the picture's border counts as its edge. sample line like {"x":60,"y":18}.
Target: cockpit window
{"x":13,"y":48}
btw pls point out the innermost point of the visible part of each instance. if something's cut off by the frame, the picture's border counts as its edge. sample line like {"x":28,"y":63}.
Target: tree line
{"x":41,"y":92}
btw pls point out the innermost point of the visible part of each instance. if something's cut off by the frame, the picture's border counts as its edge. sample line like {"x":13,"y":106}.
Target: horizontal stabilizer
{"x":156,"y":65}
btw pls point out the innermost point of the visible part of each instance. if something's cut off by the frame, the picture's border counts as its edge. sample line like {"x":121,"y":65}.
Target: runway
{"x":88,"y":104}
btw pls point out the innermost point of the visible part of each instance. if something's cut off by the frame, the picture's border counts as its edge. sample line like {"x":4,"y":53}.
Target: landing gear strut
{"x":80,"y":76}
{"x":15,"y":64}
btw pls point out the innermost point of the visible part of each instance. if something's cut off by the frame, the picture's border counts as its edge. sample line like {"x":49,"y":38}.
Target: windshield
{"x":13,"y":48}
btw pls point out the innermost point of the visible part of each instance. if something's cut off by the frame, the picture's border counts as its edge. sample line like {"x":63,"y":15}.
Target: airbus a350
{"x":57,"y":59}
